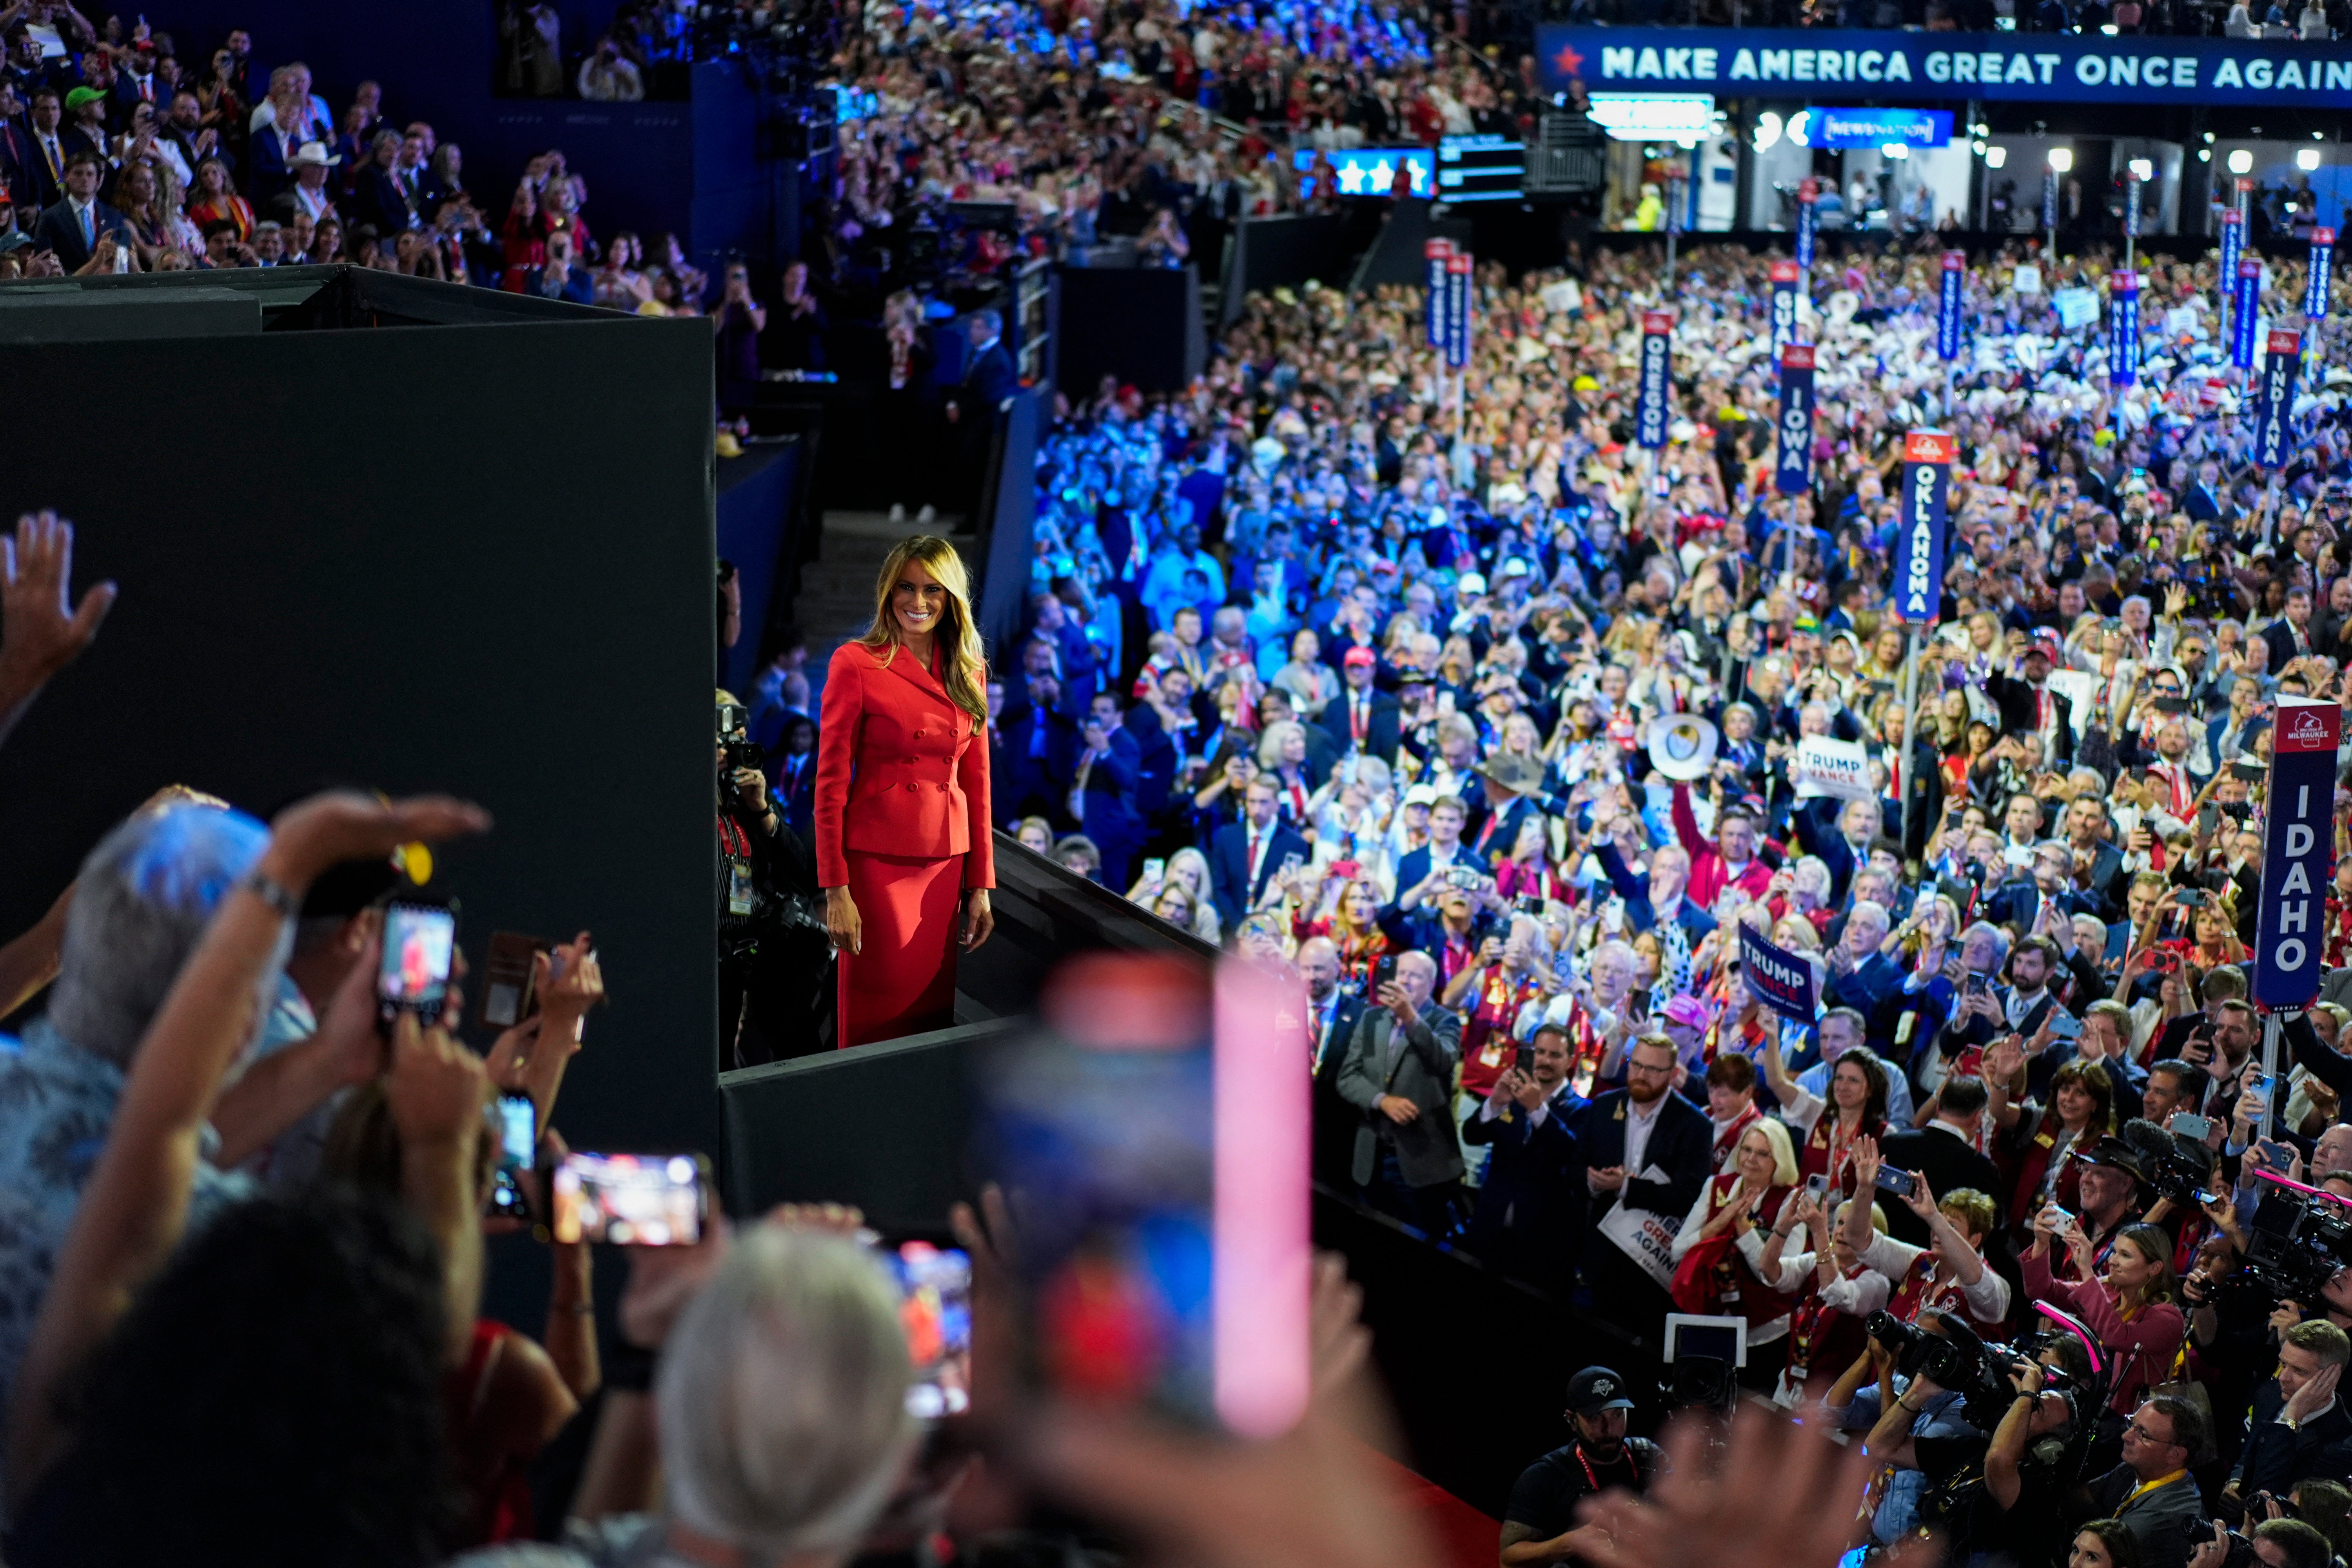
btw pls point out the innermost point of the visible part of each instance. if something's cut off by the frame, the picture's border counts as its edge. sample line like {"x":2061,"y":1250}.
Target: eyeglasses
{"x":2139,"y":1430}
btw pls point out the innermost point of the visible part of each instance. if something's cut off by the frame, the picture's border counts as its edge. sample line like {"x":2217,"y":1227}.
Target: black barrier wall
{"x":1141,"y":324}
{"x":884,"y":1127}
{"x":473,"y":554}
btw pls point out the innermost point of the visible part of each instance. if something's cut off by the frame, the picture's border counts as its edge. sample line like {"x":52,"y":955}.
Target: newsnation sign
{"x":2030,"y":67}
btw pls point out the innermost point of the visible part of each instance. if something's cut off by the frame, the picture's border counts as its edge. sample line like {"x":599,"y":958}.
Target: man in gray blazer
{"x":1399,"y":1075}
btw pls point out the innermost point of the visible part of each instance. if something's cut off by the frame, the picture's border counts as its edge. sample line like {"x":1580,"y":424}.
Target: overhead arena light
{"x":1650,"y":116}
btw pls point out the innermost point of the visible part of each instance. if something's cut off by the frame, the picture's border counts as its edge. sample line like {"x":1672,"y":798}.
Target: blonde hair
{"x":964,"y":669}
{"x":1784,"y":1151}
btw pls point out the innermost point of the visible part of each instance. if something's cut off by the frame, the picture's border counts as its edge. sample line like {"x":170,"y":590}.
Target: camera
{"x":2199,"y":1532}
{"x":1959,"y":1360}
{"x":2298,"y":1243}
{"x":2173,"y":1164}
{"x":743,"y":754}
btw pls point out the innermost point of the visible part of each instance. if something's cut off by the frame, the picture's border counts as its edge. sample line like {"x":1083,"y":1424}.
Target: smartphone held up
{"x":1150,"y":1133}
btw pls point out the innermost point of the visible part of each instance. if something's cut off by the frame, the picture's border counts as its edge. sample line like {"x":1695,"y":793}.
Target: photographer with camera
{"x":772,"y":953}
{"x":1990,"y":1502}
{"x":2274,"y":1544}
{"x":2009,"y":1503}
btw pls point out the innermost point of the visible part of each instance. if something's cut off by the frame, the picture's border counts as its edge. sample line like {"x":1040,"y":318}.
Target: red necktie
{"x":1361,"y":723}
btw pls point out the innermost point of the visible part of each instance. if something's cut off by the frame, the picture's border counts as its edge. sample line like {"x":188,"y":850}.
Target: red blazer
{"x":899,"y":770}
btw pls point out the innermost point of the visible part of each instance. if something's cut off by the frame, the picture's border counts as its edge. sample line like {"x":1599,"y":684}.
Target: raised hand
{"x":41,"y":631}
{"x":325,"y":830}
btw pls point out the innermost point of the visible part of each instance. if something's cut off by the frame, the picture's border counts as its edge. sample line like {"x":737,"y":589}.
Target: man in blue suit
{"x":1838,"y":832}
{"x":73,"y":228}
{"x":1530,"y":1219}
{"x":1660,"y":896}
{"x":1244,"y":857}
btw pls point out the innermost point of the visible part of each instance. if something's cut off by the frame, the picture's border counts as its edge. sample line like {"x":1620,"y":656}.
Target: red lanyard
{"x":1594,"y":1481}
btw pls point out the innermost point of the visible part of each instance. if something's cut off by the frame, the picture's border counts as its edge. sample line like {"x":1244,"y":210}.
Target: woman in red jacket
{"x":902,"y":815}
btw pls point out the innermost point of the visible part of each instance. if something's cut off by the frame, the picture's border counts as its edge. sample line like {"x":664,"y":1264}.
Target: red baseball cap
{"x":1359,"y":656}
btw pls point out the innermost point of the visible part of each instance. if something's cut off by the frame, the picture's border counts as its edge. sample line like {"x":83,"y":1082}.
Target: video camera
{"x":2298,"y":1241}
{"x":1963,"y":1363}
{"x":2172,"y":1164}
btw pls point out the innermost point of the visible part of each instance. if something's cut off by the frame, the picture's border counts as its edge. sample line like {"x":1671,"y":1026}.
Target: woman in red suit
{"x":902,"y":824}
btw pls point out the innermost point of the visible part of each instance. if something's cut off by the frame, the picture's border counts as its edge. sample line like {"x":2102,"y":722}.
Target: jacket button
{"x":918,"y":734}
{"x":944,"y":789}
{"x":914,"y":786}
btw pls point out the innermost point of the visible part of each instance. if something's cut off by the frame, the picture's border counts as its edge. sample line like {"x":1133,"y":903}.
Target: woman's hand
{"x":841,"y":921}
{"x":978,"y":920}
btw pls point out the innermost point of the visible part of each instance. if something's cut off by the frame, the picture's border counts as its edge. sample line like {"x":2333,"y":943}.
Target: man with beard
{"x":1645,"y":1150}
{"x":1540,"y":1523}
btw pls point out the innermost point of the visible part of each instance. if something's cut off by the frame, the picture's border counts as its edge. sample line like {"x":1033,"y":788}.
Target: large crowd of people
{"x":123,"y":150}
{"x":1360,"y":671}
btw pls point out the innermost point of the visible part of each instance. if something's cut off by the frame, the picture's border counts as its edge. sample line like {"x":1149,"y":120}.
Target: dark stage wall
{"x":475,"y":558}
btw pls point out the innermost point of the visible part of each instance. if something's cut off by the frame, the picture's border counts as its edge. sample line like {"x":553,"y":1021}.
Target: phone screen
{"x":1153,"y":1131}
{"x":419,"y":941}
{"x":631,"y":1200}
{"x":517,"y":1132}
{"x":935,"y":1307}
{"x":516,"y":1122}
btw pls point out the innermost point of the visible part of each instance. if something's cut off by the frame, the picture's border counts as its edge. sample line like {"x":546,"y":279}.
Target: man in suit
{"x":1660,"y":896}
{"x":1331,"y":1017}
{"x":2029,"y":708}
{"x":134,"y":84}
{"x":1512,"y":790}
{"x":1399,"y":1075}
{"x":1103,"y":779}
{"x":1838,"y":833}
{"x":1244,"y":855}
{"x":1443,"y":852}
{"x":1041,"y":746}
{"x":1530,"y":1219}
{"x":1361,"y":718}
{"x":2151,"y":1492}
{"x":45,"y":151}
{"x":74,"y":226}
{"x":1944,"y":1153}
{"x":1621,"y":1139}
{"x":2098,"y":865}
{"x":2203,"y":501}
{"x":2299,"y":1428}
{"x":2290,"y":635}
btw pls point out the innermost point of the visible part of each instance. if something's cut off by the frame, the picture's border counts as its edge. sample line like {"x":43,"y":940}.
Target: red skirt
{"x":902,"y":981}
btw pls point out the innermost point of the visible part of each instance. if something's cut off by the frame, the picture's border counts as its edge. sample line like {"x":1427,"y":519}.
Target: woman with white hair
{"x":1721,"y":1243}
{"x":776,"y":1430}
{"x":1282,"y":753}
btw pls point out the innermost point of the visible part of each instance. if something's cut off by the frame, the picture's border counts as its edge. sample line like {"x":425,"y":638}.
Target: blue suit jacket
{"x":1635,"y":890}
{"x":1234,"y":890}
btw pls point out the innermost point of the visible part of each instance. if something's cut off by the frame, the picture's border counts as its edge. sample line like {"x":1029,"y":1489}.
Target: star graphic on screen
{"x":1383,"y":175}
{"x":1569,"y":62}
{"x":1351,"y":178}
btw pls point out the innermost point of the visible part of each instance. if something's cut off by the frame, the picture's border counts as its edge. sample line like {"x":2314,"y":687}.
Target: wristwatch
{"x":271,"y":891}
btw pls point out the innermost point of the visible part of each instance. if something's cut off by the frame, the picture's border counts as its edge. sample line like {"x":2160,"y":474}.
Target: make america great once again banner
{"x":2010,"y":67}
